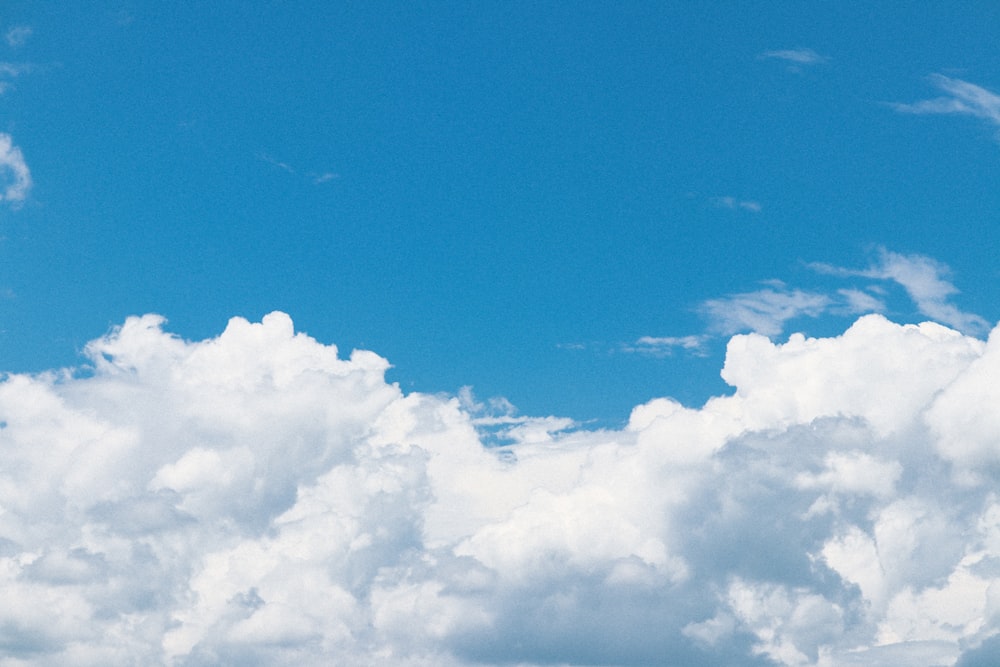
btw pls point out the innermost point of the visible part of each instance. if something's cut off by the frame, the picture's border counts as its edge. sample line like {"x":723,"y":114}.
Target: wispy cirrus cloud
{"x":925,"y":281}
{"x":316,"y":178}
{"x":736,"y":204}
{"x":17,"y":35}
{"x":10,"y":71}
{"x":857,"y":301}
{"x":764,"y":311}
{"x":768,"y":310}
{"x":800,"y":56}
{"x":665,"y":346}
{"x":961,"y":97}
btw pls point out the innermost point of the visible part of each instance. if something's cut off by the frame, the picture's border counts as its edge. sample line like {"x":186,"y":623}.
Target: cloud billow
{"x":255,"y":498}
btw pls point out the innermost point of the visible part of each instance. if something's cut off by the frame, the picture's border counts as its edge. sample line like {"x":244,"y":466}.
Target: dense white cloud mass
{"x":254,"y":499}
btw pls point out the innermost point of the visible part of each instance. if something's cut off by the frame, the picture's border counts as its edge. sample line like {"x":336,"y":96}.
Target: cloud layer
{"x":257,"y":499}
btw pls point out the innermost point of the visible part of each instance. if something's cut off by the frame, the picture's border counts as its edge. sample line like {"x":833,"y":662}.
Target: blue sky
{"x":454,"y":335}
{"x":504,"y":196}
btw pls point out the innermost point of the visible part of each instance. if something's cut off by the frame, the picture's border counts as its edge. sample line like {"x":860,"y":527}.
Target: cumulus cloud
{"x":961,"y":97}
{"x":15,"y":177}
{"x":257,"y":498}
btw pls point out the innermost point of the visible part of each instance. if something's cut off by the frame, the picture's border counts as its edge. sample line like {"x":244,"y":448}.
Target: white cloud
{"x":764,"y":311}
{"x":857,"y":302}
{"x":18,"y":35}
{"x":325,"y":177}
{"x":961,"y":97}
{"x":664,"y":346}
{"x":15,"y":177}
{"x":284,"y":166}
{"x":314,"y":178}
{"x":733,"y":204}
{"x":257,"y":499}
{"x":796,"y":56}
{"x":924,"y":280}
{"x":11,"y":71}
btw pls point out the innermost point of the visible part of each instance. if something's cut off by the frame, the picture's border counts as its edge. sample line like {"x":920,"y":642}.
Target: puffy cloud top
{"x":257,"y":499}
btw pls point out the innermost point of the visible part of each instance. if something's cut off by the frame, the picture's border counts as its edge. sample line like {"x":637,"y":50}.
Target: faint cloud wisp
{"x":923,"y":278}
{"x":314,"y":177}
{"x":797,"y":58}
{"x":664,"y":346}
{"x":17,"y":36}
{"x":734,"y":204}
{"x":961,"y":97}
{"x":764,"y":311}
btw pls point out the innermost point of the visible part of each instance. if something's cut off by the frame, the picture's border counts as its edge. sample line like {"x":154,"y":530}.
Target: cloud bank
{"x":256,"y":499}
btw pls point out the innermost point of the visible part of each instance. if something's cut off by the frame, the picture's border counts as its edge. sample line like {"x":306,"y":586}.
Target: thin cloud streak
{"x":923,"y":278}
{"x":314,"y":178}
{"x":797,"y":56}
{"x":962,"y":97}
{"x":665,"y":346}
{"x":732,"y":203}
{"x":764,"y":311}
{"x":18,"y":36}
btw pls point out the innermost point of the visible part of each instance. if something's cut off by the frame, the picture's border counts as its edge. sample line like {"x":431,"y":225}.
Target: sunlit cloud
{"x":258,"y":498}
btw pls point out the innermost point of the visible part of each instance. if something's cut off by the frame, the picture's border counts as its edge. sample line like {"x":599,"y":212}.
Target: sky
{"x":499,"y":334}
